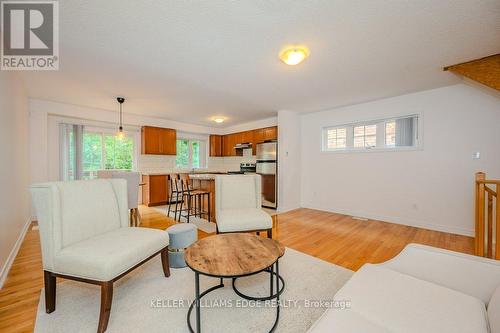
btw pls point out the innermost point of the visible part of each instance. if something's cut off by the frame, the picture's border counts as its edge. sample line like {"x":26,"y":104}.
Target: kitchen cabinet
{"x":216,"y":148}
{"x":229,"y":142}
{"x":158,"y":141}
{"x":154,"y":190}
{"x":254,"y":137}
{"x":258,"y":136}
{"x":247,"y":136}
{"x":271,"y":133}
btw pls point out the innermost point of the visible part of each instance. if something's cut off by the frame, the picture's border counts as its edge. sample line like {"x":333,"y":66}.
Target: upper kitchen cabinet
{"x":216,"y":145}
{"x":228,"y":143}
{"x":247,"y":137}
{"x":265,"y":134}
{"x":158,"y":141}
{"x":271,"y":133}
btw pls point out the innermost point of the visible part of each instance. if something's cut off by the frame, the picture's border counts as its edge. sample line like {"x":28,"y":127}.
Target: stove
{"x":245,"y":168}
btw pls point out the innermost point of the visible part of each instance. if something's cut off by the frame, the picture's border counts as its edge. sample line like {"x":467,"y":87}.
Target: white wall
{"x":289,"y":160}
{"x":14,"y":168}
{"x":430,"y":188}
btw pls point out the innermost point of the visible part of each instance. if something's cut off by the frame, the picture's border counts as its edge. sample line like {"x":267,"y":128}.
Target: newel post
{"x":479,"y":214}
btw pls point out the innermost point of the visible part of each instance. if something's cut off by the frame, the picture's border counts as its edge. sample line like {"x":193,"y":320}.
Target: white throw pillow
{"x":494,"y":311}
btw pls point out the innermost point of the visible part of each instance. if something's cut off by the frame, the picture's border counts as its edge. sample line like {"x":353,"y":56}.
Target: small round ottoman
{"x":181,"y":235}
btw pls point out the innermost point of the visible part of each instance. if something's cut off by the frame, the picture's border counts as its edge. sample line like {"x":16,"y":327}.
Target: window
{"x":392,"y":133}
{"x":85,"y":151}
{"x":191,"y":154}
{"x":365,"y":136}
{"x":336,"y":138}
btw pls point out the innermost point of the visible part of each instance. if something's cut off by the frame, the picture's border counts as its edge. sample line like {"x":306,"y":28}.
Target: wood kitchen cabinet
{"x":158,"y":141}
{"x":228,"y":144}
{"x":271,"y":133}
{"x":154,"y":190}
{"x":247,"y":137}
{"x":254,"y":137}
{"x":216,"y":146}
{"x":258,"y":136}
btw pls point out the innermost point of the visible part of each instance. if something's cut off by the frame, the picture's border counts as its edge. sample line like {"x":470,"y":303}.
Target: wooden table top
{"x":234,"y":254}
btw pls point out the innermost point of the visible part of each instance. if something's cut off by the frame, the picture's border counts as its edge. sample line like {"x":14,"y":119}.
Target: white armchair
{"x":422,"y":289}
{"x":85,"y":237}
{"x":133,"y":179}
{"x":238,"y":202}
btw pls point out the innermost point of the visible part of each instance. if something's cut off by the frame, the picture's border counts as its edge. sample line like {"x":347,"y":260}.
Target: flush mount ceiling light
{"x":294,"y":55}
{"x":219,"y":120}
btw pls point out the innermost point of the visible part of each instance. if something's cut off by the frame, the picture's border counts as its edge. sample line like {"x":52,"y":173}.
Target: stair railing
{"x":487,"y":226}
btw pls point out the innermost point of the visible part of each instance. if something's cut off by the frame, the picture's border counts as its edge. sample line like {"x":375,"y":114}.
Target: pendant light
{"x":120,"y":128}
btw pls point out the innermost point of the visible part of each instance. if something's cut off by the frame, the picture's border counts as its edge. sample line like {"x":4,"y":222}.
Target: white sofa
{"x":423,"y":289}
{"x":238,"y":205}
{"x":85,"y":236}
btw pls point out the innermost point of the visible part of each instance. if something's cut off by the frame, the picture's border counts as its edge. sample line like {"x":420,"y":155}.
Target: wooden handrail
{"x":487,"y":219}
{"x":490,"y":191}
{"x":488,"y":181}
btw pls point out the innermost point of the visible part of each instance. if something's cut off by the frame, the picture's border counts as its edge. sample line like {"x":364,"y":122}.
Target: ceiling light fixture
{"x":294,"y":55}
{"x":219,"y":120}
{"x":120,"y":128}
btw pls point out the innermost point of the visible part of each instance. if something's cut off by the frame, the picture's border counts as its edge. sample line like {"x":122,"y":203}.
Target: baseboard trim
{"x":13,"y":253}
{"x":399,"y":220}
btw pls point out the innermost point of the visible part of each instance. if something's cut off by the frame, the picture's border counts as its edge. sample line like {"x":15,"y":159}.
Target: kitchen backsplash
{"x":161,"y":163}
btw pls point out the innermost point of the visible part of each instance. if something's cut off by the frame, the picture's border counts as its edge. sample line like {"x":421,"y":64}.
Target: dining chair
{"x":238,"y":205}
{"x":133,"y":179}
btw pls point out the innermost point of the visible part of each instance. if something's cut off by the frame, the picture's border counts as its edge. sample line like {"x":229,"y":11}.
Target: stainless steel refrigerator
{"x":267,"y":167}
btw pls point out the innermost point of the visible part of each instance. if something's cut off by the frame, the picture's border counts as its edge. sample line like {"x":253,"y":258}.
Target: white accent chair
{"x":133,"y":180}
{"x":238,"y":205}
{"x":85,"y":236}
{"x":423,"y":289}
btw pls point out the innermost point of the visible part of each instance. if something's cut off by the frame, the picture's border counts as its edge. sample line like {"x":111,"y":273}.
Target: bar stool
{"x":174,"y":195}
{"x":196,"y":196}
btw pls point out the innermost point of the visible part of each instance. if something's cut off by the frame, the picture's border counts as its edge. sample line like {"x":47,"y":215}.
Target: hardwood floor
{"x":332,"y":237}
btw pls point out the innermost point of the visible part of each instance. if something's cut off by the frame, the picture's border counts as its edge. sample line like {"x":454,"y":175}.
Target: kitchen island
{"x":155,"y":190}
{"x":206,"y":182}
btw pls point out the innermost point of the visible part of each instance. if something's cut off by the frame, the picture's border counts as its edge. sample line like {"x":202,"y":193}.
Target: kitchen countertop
{"x":164,"y":173}
{"x":204,"y":176}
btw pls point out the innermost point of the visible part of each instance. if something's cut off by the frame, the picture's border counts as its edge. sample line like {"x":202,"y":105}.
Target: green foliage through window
{"x":106,"y":151}
{"x":190,"y":154}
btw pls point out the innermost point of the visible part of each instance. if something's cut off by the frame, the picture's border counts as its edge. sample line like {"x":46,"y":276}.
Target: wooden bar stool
{"x":174,"y":194}
{"x":194,"y":199}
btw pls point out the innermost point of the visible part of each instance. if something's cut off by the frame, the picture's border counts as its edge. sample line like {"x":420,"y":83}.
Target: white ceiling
{"x":192,"y":60}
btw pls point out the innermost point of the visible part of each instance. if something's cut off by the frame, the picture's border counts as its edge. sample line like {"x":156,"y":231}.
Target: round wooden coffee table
{"x":232,"y":256}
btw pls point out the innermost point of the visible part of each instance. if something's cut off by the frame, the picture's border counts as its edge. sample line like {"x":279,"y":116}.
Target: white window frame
{"x":193,"y":137}
{"x":380,"y":146}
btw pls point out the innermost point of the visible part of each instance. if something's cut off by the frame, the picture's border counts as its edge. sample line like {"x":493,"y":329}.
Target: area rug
{"x":201,"y":224}
{"x":146,"y":301}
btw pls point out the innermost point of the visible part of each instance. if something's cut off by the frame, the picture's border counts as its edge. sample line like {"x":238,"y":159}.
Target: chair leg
{"x":106,"y":299}
{"x":169,"y":203}
{"x":200,"y":206}
{"x":131,"y":217}
{"x":137,"y":217}
{"x":164,"y":262}
{"x":189,"y":208}
{"x":270,"y":233}
{"x":50,"y":291}
{"x":209,"y":216}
